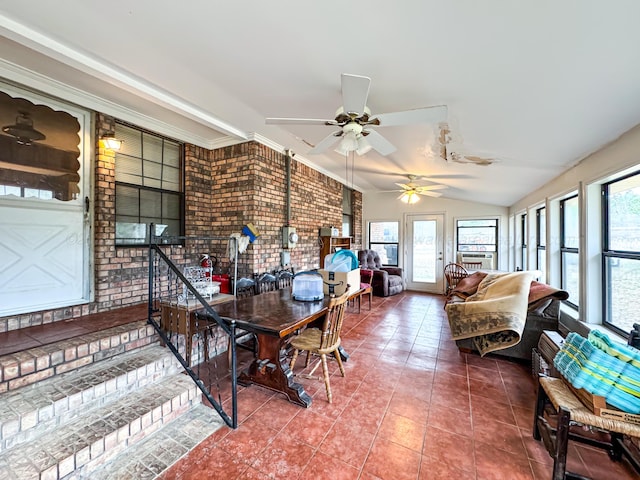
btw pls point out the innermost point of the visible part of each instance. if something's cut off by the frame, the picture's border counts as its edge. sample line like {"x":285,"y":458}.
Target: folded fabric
{"x":585,"y":366}
{"x":626,"y":353}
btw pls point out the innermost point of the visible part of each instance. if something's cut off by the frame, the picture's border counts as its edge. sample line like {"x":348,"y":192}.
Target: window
{"x":383,"y":238}
{"x":621,"y":252}
{"x":477,"y":235}
{"x":523,"y":246}
{"x":347,"y":211}
{"x":569,"y":244}
{"x":149,"y":186}
{"x":541,"y":241}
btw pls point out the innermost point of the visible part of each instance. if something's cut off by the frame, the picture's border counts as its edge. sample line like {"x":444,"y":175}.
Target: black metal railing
{"x":183,"y":292}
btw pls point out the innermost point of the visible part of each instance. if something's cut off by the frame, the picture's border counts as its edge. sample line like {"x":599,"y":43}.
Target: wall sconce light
{"x":110,"y":142}
{"x":409,"y":197}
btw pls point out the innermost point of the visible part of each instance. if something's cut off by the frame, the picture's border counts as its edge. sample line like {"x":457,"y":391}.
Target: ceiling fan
{"x":356,"y":123}
{"x":447,"y":154}
{"x":411,"y":191}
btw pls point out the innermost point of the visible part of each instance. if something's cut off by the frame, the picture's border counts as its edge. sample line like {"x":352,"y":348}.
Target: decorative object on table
{"x":323,"y":341}
{"x":307,"y":287}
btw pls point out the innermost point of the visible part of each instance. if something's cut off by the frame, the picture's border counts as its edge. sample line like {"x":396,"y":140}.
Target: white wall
{"x":619,"y":155}
{"x":386,"y":207}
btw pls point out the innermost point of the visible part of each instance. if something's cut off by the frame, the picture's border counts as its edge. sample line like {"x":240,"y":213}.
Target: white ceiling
{"x":536,"y":84}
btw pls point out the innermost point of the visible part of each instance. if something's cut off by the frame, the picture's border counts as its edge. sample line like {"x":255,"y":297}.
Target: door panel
{"x":424,"y":247}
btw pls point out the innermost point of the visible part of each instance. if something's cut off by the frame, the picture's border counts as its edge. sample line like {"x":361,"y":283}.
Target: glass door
{"x":424,"y":247}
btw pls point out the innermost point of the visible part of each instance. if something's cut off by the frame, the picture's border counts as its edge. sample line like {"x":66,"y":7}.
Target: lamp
{"x":23,"y":130}
{"x":110,"y":142}
{"x":410,"y":197}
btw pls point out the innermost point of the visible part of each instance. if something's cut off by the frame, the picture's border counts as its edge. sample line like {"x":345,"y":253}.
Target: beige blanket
{"x":495,"y":315}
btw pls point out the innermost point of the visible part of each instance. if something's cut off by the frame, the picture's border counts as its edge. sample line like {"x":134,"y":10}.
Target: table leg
{"x":271,"y":370}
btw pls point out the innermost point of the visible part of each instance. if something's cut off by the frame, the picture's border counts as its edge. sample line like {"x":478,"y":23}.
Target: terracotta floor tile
{"x":432,"y":468}
{"x":496,"y":464}
{"x":248,"y":440}
{"x":600,"y":467}
{"x":489,"y":408}
{"x":455,"y":452}
{"x":250,"y":474}
{"x":482,"y":374}
{"x":277,"y":412}
{"x":359,"y":442}
{"x":407,"y":405}
{"x":391,"y":461}
{"x":450,"y":420}
{"x":403,"y":431}
{"x":284,"y":457}
{"x":309,"y":427}
{"x":499,"y":435}
{"x":216,"y":464}
{"x":487,"y":389}
{"x":324,"y":466}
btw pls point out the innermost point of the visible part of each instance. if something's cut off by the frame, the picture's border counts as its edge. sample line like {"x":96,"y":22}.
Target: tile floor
{"x":410,"y":407}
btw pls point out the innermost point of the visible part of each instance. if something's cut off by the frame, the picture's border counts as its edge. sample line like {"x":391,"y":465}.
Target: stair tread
{"x":156,"y":453}
{"x":30,"y":409}
{"x":89,"y":431}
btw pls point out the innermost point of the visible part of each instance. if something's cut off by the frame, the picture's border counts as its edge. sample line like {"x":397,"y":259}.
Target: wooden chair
{"x":323,"y":341}
{"x":453,"y":273}
{"x":245,"y":287}
{"x":366,"y":288}
{"x":472,"y":265}
{"x":284,"y":279}
{"x":266,"y":282}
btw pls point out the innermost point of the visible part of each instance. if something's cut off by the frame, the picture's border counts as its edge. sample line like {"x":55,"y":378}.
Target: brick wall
{"x":224,"y":190}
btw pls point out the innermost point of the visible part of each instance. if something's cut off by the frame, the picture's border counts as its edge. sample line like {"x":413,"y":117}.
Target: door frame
{"x":440,"y":218}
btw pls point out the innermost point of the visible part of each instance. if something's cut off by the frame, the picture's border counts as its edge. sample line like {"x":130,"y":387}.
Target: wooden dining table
{"x":273,"y":317}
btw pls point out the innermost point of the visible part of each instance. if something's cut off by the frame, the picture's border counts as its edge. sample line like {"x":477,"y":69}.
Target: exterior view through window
{"x":569,"y":248}
{"x":621,"y":253}
{"x":383,"y":238}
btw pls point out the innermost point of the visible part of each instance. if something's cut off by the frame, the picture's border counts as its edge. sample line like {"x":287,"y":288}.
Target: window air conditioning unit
{"x":486,"y":259}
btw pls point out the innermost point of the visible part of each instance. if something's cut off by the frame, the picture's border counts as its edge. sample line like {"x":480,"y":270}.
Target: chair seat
{"x":309,"y":339}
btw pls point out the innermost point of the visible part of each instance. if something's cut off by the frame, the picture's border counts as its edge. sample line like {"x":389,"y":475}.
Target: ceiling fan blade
{"x":325,"y":143}
{"x":298,"y":121}
{"x":433,"y":114}
{"x":404,"y":185}
{"x":380,"y":144}
{"x":430,"y":194}
{"x":426,"y":188}
{"x":355,"y":90}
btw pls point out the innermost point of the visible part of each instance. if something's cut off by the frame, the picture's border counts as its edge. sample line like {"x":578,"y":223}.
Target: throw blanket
{"x":495,"y":315}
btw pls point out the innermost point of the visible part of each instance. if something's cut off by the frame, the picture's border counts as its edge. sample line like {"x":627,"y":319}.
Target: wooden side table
{"x":180,"y":318}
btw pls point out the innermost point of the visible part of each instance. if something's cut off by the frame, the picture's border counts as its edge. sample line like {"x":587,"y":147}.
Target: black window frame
{"x":347,"y":211}
{"x":384,"y":244}
{"x":614,"y":255}
{"x":141,"y":189}
{"x":495,"y":228}
{"x":541,"y":240}
{"x":523,"y":246}
{"x":564,"y":249}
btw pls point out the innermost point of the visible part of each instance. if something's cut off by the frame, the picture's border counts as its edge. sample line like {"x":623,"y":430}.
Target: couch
{"x":386,"y":280}
{"x":542,"y":313}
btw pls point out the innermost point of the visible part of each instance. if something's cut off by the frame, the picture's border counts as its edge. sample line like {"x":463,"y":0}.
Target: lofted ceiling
{"x":537,"y":86}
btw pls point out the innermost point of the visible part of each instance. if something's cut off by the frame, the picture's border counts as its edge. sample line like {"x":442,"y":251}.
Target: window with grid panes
{"x":347,"y":212}
{"x":149,"y":186}
{"x":523,"y":246}
{"x":541,"y":241}
{"x":569,"y":248}
{"x":621,"y":253}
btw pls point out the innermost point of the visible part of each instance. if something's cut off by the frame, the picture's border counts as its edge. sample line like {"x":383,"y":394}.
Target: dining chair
{"x":472,"y":265}
{"x":453,"y":273}
{"x":266,"y":282}
{"x":245,"y":287}
{"x":284,"y":279}
{"x":323,"y":341}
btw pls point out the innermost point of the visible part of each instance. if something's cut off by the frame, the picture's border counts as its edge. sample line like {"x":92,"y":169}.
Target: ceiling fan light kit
{"x":409,"y":197}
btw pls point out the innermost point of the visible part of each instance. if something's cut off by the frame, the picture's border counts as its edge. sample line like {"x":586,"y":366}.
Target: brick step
{"x":33,"y":365}
{"x":27,"y":412}
{"x":100,"y":434}
{"x":156,"y":453}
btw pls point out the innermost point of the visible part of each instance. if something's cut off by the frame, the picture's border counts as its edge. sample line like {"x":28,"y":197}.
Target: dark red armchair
{"x":386,"y":280}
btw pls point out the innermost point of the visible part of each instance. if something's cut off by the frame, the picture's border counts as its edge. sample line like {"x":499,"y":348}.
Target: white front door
{"x":424,"y":247}
{"x":44,"y":222}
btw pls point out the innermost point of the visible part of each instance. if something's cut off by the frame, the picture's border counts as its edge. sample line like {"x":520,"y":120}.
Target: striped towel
{"x":585,"y":366}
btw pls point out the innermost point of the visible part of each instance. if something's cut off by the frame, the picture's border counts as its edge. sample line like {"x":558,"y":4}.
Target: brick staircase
{"x":103,"y":405}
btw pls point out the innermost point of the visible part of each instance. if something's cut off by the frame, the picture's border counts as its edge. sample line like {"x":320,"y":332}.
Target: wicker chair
{"x":323,"y":341}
